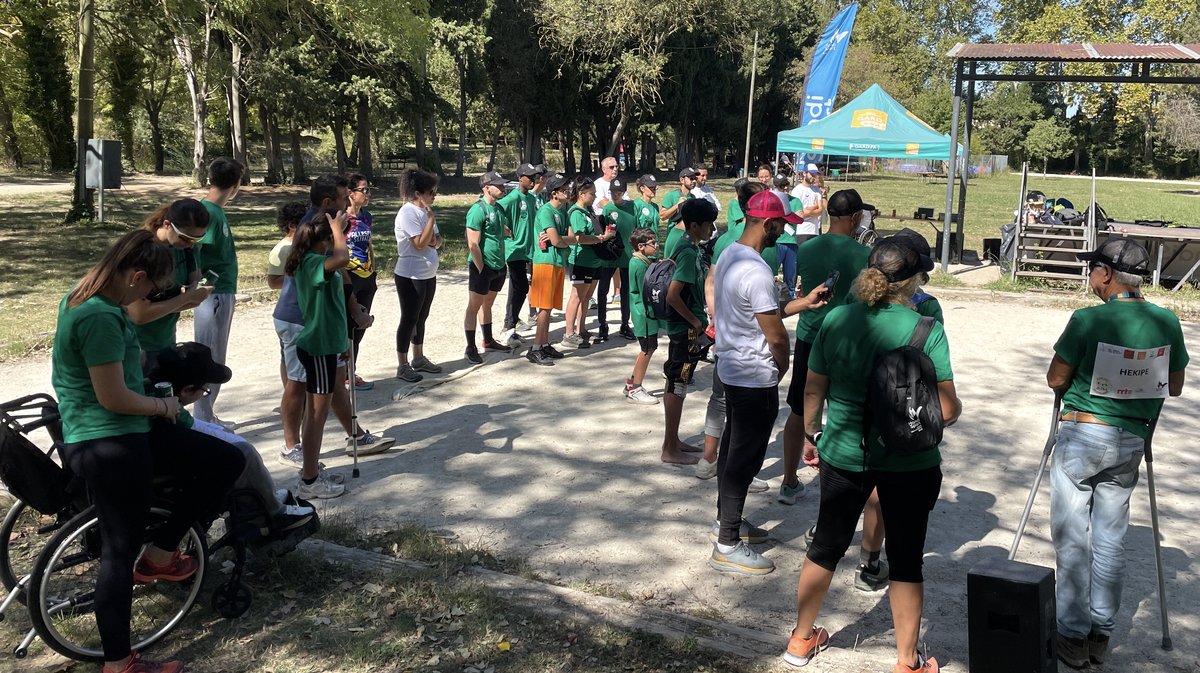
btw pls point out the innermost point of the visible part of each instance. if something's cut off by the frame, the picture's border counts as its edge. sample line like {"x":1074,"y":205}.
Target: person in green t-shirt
{"x":620,"y":214}
{"x":1114,"y":365}
{"x":179,"y":225}
{"x":644,"y":242}
{"x":213,"y":318}
{"x":520,"y":207}
{"x":644,"y":206}
{"x":685,"y":326}
{"x":585,"y":265}
{"x":851,"y":339}
{"x":676,"y":197}
{"x":549,"y":266}
{"x":487,"y":229}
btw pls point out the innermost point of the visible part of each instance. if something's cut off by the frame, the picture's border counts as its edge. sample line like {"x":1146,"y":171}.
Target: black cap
{"x":556,"y":182}
{"x":900,"y":255}
{"x":780,"y":180}
{"x":1122,"y":254}
{"x":688,"y":172}
{"x":492,"y":178}
{"x":648,"y":180}
{"x":847,"y":202}
{"x":528,"y":171}
{"x":915,"y":239}
{"x":541,"y":169}
{"x":617,"y":185}
{"x":696,"y":210}
{"x":186,"y":364}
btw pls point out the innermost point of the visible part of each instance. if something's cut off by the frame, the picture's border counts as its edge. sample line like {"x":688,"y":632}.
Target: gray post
{"x":750,"y":108}
{"x":100,"y":152}
{"x":948,"y":213}
{"x":965,"y":175}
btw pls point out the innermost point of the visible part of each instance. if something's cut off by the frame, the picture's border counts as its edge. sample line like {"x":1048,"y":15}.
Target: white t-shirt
{"x":706,"y":192}
{"x":809,"y":196}
{"x":410,"y":262}
{"x":744,"y":287}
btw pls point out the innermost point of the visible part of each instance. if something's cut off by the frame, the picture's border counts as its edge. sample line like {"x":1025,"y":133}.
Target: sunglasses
{"x":364,"y":190}
{"x":186,"y":237}
{"x":650,"y":244}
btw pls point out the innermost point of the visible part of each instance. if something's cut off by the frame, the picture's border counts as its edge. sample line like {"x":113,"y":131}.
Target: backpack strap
{"x":921,"y":332}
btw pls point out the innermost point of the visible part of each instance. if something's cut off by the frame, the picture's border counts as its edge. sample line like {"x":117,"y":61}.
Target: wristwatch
{"x":814,"y":438}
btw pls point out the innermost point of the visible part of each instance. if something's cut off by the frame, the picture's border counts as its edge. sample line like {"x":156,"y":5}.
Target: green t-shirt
{"x":97,"y":332}
{"x":489,"y":221}
{"x":580,"y":222}
{"x":625,"y":217}
{"x":851,"y":338}
{"x":323,"y":304}
{"x":218,"y":252}
{"x":549,"y":217}
{"x":733,"y":214}
{"x":159,"y":334}
{"x":1134,"y":327}
{"x":519,"y":209}
{"x":927,"y":304}
{"x":814,"y":261}
{"x":689,"y":271}
{"x":647,"y":214}
{"x":675,"y":196}
{"x":674,"y":235}
{"x":643,"y":324}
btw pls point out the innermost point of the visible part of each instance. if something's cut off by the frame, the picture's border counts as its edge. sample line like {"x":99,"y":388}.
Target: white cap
{"x":812,"y":168}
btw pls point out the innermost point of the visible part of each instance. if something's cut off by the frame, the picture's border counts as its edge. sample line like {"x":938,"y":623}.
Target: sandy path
{"x":552,"y":465}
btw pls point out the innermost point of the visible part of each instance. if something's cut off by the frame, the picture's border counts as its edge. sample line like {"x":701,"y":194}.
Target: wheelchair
{"x":50,"y":546}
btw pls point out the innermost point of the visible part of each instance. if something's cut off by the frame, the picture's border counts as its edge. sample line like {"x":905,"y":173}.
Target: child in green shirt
{"x":644,"y":243}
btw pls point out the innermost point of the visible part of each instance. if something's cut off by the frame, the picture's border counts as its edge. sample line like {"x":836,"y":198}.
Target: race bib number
{"x":1131,"y":373}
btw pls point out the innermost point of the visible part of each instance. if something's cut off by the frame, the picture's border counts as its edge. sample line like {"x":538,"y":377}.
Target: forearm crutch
{"x":1037,"y":481}
{"x":1158,"y":562}
{"x":353,"y":409}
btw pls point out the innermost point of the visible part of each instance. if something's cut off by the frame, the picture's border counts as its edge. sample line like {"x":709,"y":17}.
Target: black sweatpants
{"x":519,"y":275}
{"x":416,"y":296}
{"x":119,"y":472}
{"x":602,"y":297}
{"x":364,"y":291}
{"x":749,"y":420}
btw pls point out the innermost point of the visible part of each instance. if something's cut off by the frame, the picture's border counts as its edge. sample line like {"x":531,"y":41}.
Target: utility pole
{"x":84,"y":108}
{"x":750,"y":107}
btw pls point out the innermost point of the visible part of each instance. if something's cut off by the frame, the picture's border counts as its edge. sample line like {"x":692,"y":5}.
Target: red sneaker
{"x":800,"y":651}
{"x":140,"y":665}
{"x":179,"y":568}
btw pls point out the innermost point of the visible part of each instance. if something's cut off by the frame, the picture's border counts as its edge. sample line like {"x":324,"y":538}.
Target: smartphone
{"x":209,"y":278}
{"x":830,"y":283}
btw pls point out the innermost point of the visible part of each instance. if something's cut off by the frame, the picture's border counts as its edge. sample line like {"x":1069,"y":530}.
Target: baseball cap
{"x":688,"y":172}
{"x":696,"y":210}
{"x":900,"y":255}
{"x":492,"y":178}
{"x":847,"y":202}
{"x":186,"y":364}
{"x":527,"y":171}
{"x":915,"y":239}
{"x":1121,"y":253}
{"x":812,"y":168}
{"x":617,"y":185}
{"x":648,"y":180}
{"x":541,"y":169}
{"x":780,"y":180}
{"x":767,"y":205}
{"x":555,"y":182}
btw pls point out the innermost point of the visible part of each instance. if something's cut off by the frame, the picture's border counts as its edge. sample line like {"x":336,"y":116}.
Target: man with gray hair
{"x":608,"y":171}
{"x":1114,"y":365}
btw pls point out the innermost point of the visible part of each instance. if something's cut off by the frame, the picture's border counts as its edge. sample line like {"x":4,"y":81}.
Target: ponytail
{"x":138,"y":250}
{"x":308,"y":234}
{"x":182,"y":213}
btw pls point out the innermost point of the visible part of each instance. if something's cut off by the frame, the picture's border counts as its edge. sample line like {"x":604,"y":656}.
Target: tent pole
{"x":965,"y":176}
{"x":948,"y":213}
{"x":750,"y":108}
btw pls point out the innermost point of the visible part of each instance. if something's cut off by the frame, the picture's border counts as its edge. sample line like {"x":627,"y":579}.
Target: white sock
{"x":725,"y":548}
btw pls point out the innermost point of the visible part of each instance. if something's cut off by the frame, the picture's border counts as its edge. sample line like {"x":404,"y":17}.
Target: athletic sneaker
{"x":509,"y":337}
{"x":627,"y":333}
{"x":571,"y":341}
{"x":758,"y":485}
{"x":924,"y":665}
{"x":1071,"y":651}
{"x":742,"y":560}
{"x":370,"y":444}
{"x":602,"y":336}
{"x":748,"y":532}
{"x":525,"y":326}
{"x":866,"y":580}
{"x":552,"y":352}
{"x":293,"y":457}
{"x":789,"y":494}
{"x":539,"y":357}
{"x":591,"y":303}
{"x":809,"y":534}
{"x":405,"y":372}
{"x":139,"y":665}
{"x":585,"y":341}
{"x":639,"y":395}
{"x":1097,"y":647}
{"x":422,"y":364}
{"x":800,"y":651}
{"x":705,"y":469}
{"x":320,"y":489}
{"x":229,"y":426}
{"x":473,"y":356}
{"x":360,"y":384}
{"x":493,"y":346}
{"x":291,"y":518}
{"x":177,"y":569}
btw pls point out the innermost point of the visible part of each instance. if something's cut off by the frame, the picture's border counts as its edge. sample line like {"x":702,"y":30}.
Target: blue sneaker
{"x":789,"y":494}
{"x":742,"y":560}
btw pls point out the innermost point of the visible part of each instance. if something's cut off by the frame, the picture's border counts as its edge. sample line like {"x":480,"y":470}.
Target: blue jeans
{"x":1093,"y":473}
{"x":787,"y":262}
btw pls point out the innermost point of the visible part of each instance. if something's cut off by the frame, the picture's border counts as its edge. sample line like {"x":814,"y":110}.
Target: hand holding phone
{"x":829,"y":284}
{"x":209,"y":279}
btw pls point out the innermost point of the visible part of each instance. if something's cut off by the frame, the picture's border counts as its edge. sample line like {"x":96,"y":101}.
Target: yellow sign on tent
{"x":818,"y":144}
{"x":912,"y":148}
{"x":870,"y":119}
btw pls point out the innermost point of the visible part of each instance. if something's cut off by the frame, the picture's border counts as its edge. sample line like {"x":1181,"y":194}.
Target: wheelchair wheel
{"x":20,"y":543}
{"x":64,"y":584}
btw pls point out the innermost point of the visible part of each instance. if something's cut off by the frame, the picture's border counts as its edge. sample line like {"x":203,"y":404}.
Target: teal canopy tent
{"x":872,"y":125}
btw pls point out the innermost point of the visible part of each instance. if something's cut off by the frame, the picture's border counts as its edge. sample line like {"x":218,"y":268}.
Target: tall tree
{"x":47,"y":88}
{"x":192,"y":23}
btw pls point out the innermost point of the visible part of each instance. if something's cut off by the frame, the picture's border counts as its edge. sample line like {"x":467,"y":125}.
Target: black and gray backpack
{"x":902,"y":397}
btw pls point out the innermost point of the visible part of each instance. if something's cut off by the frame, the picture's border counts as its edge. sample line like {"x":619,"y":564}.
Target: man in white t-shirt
{"x":702,"y":190}
{"x":608,"y":171}
{"x":752,"y":355}
{"x":809,"y":193}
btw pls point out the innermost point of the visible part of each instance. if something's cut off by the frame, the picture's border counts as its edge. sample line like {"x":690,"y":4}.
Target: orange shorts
{"x":546,"y":291}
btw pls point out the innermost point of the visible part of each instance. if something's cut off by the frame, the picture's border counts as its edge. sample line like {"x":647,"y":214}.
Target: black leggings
{"x":749,"y":421}
{"x":518,"y":290}
{"x":606,"y":276}
{"x":416,"y":296}
{"x":119,"y":471}
{"x":905,"y":499}
{"x":364,"y":291}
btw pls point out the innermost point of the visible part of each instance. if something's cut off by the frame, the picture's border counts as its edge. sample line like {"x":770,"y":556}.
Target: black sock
{"x":870,"y":559}
{"x":470,"y":339}
{"x":308,"y":481}
{"x":487,"y":332}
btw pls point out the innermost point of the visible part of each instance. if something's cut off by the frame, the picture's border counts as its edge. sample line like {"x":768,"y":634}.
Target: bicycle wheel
{"x":64,"y":579}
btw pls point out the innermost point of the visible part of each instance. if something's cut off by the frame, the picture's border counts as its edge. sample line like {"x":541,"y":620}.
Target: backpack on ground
{"x":902,"y":397}
{"x":655,"y":284}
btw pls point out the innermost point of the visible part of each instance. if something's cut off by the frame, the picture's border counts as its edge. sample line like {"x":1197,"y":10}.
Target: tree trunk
{"x":271,"y":141}
{"x":299,"y":174}
{"x":567,"y":143}
{"x":12,"y":148}
{"x":363,"y":131}
{"x":462,"y":116}
{"x":435,"y":146}
{"x":183,"y":51}
{"x":339,"y":140}
{"x":153,"y":114}
{"x":236,"y":102}
{"x":585,"y":149}
{"x":419,"y":140}
{"x":495,"y":141}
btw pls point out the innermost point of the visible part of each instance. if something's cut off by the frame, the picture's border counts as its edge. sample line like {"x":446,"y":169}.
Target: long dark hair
{"x":138,"y":250}
{"x":413,"y":180}
{"x":581,"y":183}
{"x":182,"y":213}
{"x":311,"y":231}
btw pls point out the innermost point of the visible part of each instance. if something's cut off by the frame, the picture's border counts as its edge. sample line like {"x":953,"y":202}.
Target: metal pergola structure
{"x":1134,"y":66}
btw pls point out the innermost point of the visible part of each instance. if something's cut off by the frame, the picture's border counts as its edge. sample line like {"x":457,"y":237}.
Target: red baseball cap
{"x":767,"y":205}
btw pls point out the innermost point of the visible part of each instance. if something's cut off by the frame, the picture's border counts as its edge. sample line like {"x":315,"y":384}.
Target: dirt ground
{"x":552,"y":465}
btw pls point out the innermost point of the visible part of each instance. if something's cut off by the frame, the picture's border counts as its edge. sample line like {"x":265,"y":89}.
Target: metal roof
{"x":1082,"y":51}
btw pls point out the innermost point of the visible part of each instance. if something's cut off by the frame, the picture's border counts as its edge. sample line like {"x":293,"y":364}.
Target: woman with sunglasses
{"x":362,"y":258}
{"x":179,"y":226}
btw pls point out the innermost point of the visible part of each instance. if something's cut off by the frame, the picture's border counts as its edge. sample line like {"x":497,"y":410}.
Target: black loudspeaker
{"x":1010,"y":618}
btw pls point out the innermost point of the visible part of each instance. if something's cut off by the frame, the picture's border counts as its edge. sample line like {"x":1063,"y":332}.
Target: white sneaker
{"x":705,"y":469}
{"x":229,"y":426}
{"x":281,"y":495}
{"x":370,"y":444}
{"x":570,"y":341}
{"x":292,"y":457}
{"x":640,"y":395}
{"x":320,"y":489}
{"x":758,"y":485}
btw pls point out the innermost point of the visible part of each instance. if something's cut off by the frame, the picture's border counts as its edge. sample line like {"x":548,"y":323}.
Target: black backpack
{"x":655,"y":284}
{"x":902,"y":397}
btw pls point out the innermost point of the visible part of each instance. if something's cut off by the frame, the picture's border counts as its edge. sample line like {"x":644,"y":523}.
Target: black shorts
{"x":487,"y":281}
{"x":320,"y":371}
{"x":795,"y":396}
{"x":682,"y":356}
{"x":648,"y":344}
{"x":581,"y":275}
